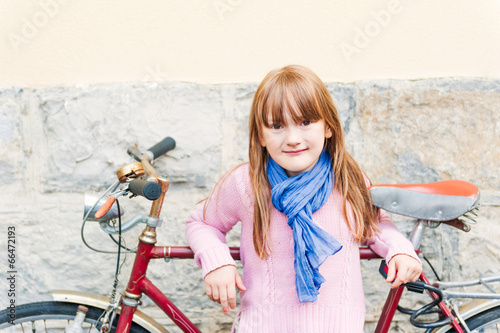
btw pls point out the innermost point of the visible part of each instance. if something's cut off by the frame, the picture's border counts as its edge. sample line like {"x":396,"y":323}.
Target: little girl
{"x":304,"y":207}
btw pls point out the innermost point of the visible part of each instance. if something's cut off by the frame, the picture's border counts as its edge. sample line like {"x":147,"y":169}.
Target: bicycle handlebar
{"x":149,"y":190}
{"x":161,"y":147}
{"x":154,"y":152}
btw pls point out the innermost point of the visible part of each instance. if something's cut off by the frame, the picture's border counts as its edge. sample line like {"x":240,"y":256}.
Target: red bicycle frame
{"x":140,"y":284}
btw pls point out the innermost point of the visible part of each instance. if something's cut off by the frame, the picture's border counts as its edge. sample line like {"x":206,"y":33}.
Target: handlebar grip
{"x":162,"y":147}
{"x":149,"y":190}
{"x":105,"y":208}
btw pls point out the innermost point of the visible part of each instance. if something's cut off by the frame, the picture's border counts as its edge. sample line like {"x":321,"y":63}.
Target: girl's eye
{"x":306,"y":122}
{"x":275,"y":127}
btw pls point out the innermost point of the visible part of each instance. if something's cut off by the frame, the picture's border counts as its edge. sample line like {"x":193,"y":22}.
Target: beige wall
{"x":63,"y":42}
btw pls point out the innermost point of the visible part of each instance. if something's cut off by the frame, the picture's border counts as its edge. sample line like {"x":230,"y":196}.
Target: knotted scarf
{"x":298,"y":197}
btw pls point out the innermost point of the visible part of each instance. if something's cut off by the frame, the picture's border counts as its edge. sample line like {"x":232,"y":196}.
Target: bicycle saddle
{"x":439,"y":201}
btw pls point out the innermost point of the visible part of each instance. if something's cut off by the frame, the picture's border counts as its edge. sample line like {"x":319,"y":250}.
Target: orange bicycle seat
{"x":439,"y":201}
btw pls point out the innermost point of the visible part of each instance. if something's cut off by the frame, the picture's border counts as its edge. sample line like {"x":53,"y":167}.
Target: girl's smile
{"x":295,"y":152}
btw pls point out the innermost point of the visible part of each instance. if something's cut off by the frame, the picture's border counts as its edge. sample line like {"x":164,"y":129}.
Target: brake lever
{"x":134,"y":152}
{"x":109,"y":203}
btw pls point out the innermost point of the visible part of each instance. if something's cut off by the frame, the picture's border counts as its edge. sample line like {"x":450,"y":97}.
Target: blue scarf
{"x":298,"y":197}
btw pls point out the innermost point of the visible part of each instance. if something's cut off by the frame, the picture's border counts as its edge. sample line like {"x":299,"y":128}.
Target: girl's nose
{"x":293,"y":137}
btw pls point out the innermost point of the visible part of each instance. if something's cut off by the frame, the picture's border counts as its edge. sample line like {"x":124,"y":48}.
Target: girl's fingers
{"x":231,"y":296}
{"x":403,"y":269}
{"x":223,"y":300}
{"x":215,"y":295}
{"x":220,"y":286}
{"x":391,"y":271}
{"x":239,"y":283}
{"x":400,"y":278}
{"x":208,"y":290}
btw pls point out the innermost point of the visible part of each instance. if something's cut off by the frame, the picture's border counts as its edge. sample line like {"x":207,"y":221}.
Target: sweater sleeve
{"x":389,"y":241}
{"x":209,"y":223}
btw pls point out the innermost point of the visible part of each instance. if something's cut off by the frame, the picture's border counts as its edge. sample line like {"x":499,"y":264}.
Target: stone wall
{"x":57,"y":143}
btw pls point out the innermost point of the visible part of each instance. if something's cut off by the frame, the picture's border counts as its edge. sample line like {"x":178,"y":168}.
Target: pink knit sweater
{"x":270,"y":303}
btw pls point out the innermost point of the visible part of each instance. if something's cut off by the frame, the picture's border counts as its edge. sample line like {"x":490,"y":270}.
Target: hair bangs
{"x":290,"y":97}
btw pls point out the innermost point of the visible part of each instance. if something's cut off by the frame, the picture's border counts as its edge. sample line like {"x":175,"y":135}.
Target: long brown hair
{"x":300,"y":92}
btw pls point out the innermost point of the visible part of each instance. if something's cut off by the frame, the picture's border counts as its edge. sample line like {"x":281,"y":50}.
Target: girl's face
{"x":295,"y":146}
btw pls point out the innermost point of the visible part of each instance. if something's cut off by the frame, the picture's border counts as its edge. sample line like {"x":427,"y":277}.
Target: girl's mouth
{"x":295,"y":152}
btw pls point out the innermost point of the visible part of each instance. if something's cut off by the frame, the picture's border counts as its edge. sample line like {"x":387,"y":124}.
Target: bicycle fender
{"x":471,"y":309}
{"x":101,"y":302}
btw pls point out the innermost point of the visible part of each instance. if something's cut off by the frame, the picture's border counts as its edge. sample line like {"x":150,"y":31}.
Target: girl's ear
{"x":328,"y":132}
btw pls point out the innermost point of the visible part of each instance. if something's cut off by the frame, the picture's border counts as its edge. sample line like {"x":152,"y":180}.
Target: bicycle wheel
{"x":484,"y":322}
{"x":52,"y":317}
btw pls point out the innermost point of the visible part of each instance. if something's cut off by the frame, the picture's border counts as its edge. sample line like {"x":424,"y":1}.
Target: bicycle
{"x":448,"y":202}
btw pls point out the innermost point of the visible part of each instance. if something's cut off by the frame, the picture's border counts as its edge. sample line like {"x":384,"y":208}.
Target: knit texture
{"x":270,"y":303}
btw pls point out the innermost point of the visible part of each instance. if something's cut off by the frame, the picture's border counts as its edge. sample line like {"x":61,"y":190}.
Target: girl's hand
{"x":403,"y":269}
{"x":220,"y":286}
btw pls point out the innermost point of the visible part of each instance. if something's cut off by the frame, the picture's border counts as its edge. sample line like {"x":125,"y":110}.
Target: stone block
{"x":59,"y":142}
